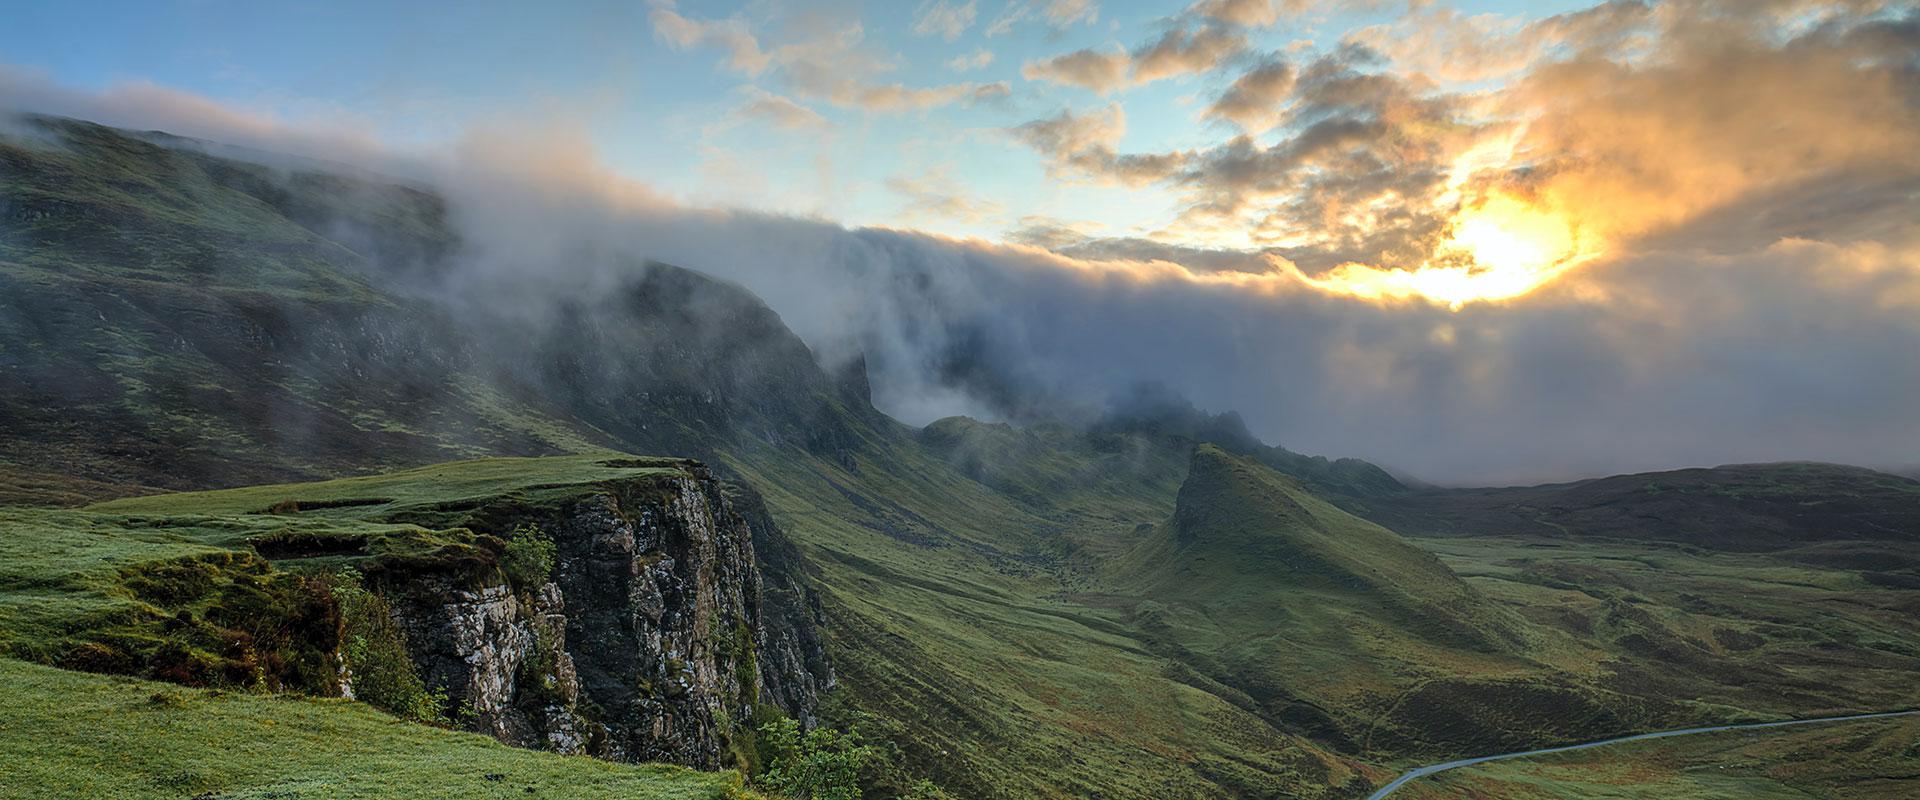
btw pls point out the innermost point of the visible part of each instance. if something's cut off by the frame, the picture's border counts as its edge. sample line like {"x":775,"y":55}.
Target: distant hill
{"x":1318,"y":618}
{"x":1243,"y":535}
{"x":1743,"y":507}
{"x":1164,"y":414}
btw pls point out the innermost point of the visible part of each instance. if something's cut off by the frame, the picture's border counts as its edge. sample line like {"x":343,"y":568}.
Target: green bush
{"x":924,"y":789}
{"x":374,"y":651}
{"x":529,"y":557}
{"x":820,"y":764}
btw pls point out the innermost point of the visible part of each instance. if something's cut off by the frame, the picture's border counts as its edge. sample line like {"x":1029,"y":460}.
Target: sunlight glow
{"x":1499,"y":249}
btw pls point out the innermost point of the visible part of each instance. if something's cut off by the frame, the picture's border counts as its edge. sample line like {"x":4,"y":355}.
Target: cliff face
{"x":655,"y":637}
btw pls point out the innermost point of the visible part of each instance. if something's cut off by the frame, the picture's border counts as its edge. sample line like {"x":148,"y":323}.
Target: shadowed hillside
{"x":1042,"y":611}
{"x":1244,"y":532}
{"x":1326,"y":622}
{"x":1742,"y":507}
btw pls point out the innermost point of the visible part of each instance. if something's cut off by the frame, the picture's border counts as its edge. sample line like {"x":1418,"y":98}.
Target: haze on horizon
{"x":1480,"y":242}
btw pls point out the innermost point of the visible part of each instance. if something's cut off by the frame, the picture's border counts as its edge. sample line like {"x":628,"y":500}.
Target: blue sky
{"x":420,"y":74}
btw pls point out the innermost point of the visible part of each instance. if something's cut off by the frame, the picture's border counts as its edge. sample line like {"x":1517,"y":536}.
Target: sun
{"x":1506,"y":237}
{"x":1497,"y":249}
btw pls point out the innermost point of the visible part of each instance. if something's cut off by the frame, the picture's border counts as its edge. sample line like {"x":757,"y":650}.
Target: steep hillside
{"x":649,"y":632}
{"x":1322,"y":621}
{"x":1341,"y":631}
{"x":166,"y":324}
{"x":179,"y":320}
{"x":1243,"y":534}
{"x":1019,"y":612}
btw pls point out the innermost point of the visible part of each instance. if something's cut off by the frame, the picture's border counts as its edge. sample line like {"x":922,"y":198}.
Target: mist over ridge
{"x":1777,"y":330}
{"x":777,"y":399}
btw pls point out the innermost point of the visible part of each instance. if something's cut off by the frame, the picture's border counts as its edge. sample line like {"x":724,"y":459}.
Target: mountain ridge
{"x":967,"y":578}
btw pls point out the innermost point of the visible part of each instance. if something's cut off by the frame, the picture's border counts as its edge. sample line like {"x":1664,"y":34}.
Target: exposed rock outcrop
{"x":657,"y":637}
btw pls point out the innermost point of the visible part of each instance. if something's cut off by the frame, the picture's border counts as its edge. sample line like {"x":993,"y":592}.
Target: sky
{"x":665,"y":96}
{"x":1477,"y":241}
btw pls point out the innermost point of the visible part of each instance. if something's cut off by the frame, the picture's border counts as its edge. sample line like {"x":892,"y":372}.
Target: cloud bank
{"x":1753,"y":178}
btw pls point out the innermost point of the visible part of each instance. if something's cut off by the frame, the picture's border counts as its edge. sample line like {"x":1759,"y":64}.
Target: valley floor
{"x":1867,"y":760}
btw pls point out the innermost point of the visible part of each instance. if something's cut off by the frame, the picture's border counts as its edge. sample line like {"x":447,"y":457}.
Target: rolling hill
{"x":1153,"y":605}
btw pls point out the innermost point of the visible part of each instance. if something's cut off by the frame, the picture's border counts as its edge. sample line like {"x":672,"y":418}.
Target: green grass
{"x":379,"y":495}
{"x":1010,"y":607}
{"x":1763,"y":633}
{"x":68,"y":734}
{"x":957,"y":625}
{"x":1014,"y":648}
{"x":1335,"y":628}
{"x":157,"y":585}
{"x":1868,"y":760}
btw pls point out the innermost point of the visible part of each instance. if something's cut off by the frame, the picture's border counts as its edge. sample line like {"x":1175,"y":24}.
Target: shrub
{"x":924,"y":789}
{"x":374,"y":651}
{"x":528,"y":559}
{"x":820,"y":764}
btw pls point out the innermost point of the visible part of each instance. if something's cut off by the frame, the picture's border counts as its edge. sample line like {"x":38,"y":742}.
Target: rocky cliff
{"x":657,"y":635}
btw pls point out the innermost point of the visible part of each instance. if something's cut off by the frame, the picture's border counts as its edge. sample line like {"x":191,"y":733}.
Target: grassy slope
{"x":405,"y":489}
{"x":1740,"y":508}
{"x":980,"y":628}
{"x":1339,"y":629}
{"x":949,"y":613}
{"x":170,"y":321}
{"x":948,"y":588}
{"x":71,"y":576}
{"x":1869,"y":760}
{"x":1759,"y":635}
{"x":68,"y":734}
{"x":967,"y":609}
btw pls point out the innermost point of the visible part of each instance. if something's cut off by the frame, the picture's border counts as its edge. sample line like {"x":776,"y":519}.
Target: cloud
{"x":1264,"y":13}
{"x":935,"y":197}
{"x":893,"y":97}
{"x":943,"y":19}
{"x":1057,"y":13}
{"x":1254,"y":102}
{"x":827,"y":62}
{"x":1101,"y":72}
{"x":1451,"y":46}
{"x":1084,"y":144}
{"x":979,"y":59}
{"x":743,"y":49}
{"x":1386,"y":182}
{"x":1656,"y":358}
{"x":1177,"y":52}
{"x":1251,"y":13}
{"x":1067,"y":12}
{"x":1183,"y":52}
{"x":1049,"y":233}
{"x":330,"y":134}
{"x":780,"y":111}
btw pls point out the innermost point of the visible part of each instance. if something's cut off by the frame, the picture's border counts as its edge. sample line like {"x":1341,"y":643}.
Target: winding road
{"x":1468,"y":762}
